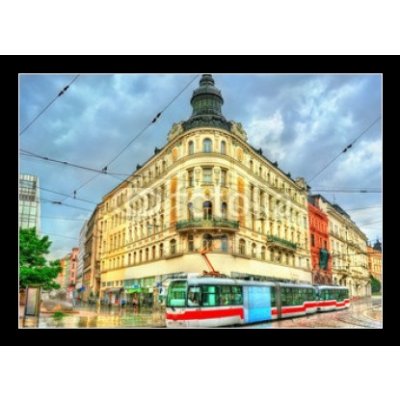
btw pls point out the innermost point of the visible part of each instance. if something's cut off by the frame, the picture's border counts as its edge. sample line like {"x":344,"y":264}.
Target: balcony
{"x":207,"y":224}
{"x":275,"y":241}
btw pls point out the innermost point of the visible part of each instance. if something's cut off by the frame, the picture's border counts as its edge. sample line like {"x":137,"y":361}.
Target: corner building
{"x":207,"y":188}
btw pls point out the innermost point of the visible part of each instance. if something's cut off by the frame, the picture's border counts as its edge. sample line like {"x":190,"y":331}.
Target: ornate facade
{"x":207,"y":188}
{"x":321,"y":258}
{"x":349,"y":250}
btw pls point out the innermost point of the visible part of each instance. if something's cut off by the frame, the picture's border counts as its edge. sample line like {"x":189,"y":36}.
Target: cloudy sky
{"x":301,"y":121}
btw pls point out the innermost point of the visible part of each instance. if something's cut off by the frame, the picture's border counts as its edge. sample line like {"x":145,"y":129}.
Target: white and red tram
{"x":213,"y":302}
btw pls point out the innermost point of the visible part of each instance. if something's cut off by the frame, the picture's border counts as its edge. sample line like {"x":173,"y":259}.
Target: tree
{"x":375,"y":285}
{"x":33,"y":266}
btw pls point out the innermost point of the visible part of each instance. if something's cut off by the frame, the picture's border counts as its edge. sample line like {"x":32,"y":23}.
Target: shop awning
{"x":133,"y":290}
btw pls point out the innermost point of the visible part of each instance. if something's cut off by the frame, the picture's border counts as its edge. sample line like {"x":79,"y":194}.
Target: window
{"x":129,"y":259}
{"x":207,"y":241}
{"x":242,"y":247}
{"x":194,"y":296}
{"x":153,"y":252}
{"x":325,"y":244}
{"x":207,"y":176}
{"x":273,"y":297}
{"x":190,"y":212}
{"x":210,"y":296}
{"x":312,"y":240}
{"x":207,"y":146}
{"x":140,"y":256}
{"x":161,"y":250}
{"x":190,"y":178}
{"x":176,"y":294}
{"x":251,"y":165}
{"x":190,"y":243}
{"x":263,"y":252}
{"x":207,"y":210}
{"x":254,"y":250}
{"x":223,"y":177}
{"x":237,"y":295}
{"x":224,"y":210}
{"x":224,"y":243}
{"x":147,"y":254}
{"x":191,"y":147}
{"x":223,"y":147}
{"x":172,"y":246}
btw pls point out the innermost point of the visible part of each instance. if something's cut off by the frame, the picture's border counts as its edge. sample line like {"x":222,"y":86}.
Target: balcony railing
{"x":277,"y":241}
{"x":207,"y":223}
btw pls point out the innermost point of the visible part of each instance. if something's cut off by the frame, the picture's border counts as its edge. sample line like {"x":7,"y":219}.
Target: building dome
{"x":207,"y":102}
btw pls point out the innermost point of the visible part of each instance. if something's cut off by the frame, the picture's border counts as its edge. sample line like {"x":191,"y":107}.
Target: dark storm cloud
{"x":301,"y":121}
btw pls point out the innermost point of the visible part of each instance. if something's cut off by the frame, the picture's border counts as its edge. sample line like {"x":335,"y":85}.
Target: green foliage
{"x":375,"y":285}
{"x":58,"y":315}
{"x":33,"y":266}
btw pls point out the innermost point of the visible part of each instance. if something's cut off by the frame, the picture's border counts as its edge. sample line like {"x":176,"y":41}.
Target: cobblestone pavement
{"x":364,"y":313}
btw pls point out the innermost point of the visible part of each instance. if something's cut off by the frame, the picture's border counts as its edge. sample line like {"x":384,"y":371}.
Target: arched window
{"x":263,"y":253}
{"x":190,"y":212}
{"x":129,"y":259}
{"x":191,"y":147}
{"x":134,"y":257}
{"x":223,"y":147}
{"x":140,"y":256}
{"x":207,"y":241}
{"x":251,"y":165}
{"x":224,"y":243}
{"x":147,"y":254}
{"x":172,"y":246}
{"x":153,"y":252}
{"x":207,"y":146}
{"x":242,"y":246}
{"x":224,"y":210}
{"x":161,"y":250}
{"x":190,"y":243}
{"x":207,"y":210}
{"x":254,"y":250}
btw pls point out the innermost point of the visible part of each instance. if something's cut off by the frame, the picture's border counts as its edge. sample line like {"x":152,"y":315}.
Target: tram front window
{"x":177,"y":294}
{"x":194,"y":296}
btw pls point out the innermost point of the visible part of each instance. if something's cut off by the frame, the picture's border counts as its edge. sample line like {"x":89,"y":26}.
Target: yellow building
{"x":207,"y":188}
{"x":349,"y":251}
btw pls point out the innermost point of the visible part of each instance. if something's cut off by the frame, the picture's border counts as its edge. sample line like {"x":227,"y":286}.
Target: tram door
{"x":257,"y":303}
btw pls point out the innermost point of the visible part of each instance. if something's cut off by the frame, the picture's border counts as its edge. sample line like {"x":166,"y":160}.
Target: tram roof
{"x":231,"y":281}
{"x":331,"y":287}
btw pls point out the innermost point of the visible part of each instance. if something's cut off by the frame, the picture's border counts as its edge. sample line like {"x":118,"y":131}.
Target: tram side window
{"x":194,"y":296}
{"x":226,"y":298}
{"x":237,"y":295}
{"x":273,"y":297}
{"x":296,"y":296}
{"x":176,"y":294}
{"x":287,"y":296}
{"x":210,"y":296}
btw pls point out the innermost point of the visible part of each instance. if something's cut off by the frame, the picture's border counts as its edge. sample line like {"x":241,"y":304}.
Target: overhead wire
{"x":349,"y":146}
{"x":60,"y":93}
{"x":154,"y":120}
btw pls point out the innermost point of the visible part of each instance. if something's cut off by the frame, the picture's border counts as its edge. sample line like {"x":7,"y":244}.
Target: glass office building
{"x":29,"y":202}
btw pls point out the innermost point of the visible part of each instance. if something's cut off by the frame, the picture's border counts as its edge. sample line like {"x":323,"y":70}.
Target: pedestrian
{"x":135,"y":304}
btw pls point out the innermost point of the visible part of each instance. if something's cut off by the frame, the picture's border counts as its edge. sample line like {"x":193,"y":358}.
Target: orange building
{"x":375,"y":260}
{"x":321,"y":260}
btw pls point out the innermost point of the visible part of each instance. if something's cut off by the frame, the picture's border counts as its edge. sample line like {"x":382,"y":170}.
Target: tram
{"x":213,"y":302}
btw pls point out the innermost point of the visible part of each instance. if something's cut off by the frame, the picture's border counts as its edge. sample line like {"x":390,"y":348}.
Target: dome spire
{"x":207,"y":104}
